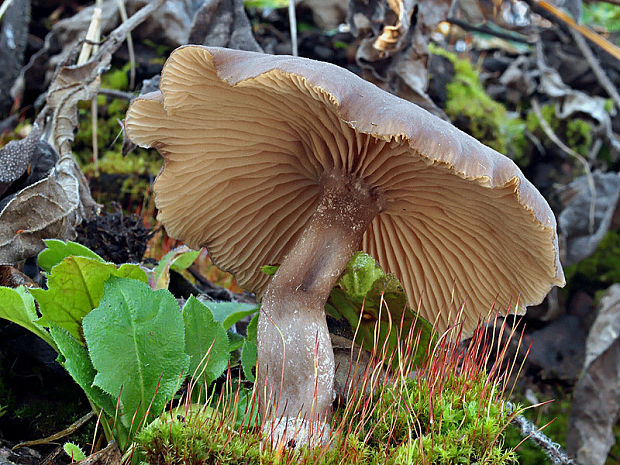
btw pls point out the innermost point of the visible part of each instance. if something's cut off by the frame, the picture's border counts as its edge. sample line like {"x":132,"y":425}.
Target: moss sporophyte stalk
{"x":450,"y":410}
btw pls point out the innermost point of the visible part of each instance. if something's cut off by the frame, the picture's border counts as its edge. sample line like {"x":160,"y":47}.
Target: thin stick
{"x":292,"y":19}
{"x":130,"y":50}
{"x":487,"y":30}
{"x":596,"y":68}
{"x":117,"y":36}
{"x":554,"y":14}
{"x":92,"y":36}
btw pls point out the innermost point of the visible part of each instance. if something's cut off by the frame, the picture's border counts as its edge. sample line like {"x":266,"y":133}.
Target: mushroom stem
{"x":295,"y":357}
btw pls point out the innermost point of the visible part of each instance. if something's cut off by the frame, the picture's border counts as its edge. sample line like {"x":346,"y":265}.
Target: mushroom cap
{"x":246,"y":138}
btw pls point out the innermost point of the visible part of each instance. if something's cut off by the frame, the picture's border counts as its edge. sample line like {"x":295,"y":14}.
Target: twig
{"x":101,"y":56}
{"x":117,"y":94}
{"x":292,"y":19}
{"x":130,"y":50}
{"x":555,"y":15}
{"x":87,"y":48}
{"x":529,"y":430}
{"x":117,"y":36}
{"x":72,"y":428}
{"x":596,"y":67}
{"x":92,"y":35}
{"x":557,"y":141}
{"x":487,"y":30}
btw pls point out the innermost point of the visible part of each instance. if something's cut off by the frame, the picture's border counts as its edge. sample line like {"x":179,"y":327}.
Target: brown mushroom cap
{"x":246,"y":138}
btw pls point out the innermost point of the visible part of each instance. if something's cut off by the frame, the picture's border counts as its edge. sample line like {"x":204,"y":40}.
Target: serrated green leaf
{"x":228,"y":313}
{"x":135,"y":339}
{"x":75,"y":287}
{"x":206,"y":342}
{"x":17,"y":305}
{"x":248,"y":359}
{"x":58,"y":250}
{"x":132,"y":271}
{"x":74,"y":358}
{"x":74,"y":451}
{"x":252,"y":328}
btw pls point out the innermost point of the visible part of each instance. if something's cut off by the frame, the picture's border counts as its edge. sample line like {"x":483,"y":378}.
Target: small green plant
{"x":127,"y":344}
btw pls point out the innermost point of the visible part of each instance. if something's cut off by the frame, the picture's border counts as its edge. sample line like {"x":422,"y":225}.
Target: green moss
{"x":413,"y":422}
{"x":579,"y":135}
{"x":461,"y":423}
{"x":141,"y":163}
{"x":598,"y":271}
{"x":471,"y":109}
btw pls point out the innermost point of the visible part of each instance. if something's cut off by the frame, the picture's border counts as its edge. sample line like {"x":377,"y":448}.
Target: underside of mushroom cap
{"x":246,"y":139}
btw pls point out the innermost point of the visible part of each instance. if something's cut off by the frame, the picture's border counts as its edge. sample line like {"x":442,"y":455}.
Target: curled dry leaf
{"x":55,"y":205}
{"x":580,"y":237}
{"x":393,"y":53}
{"x":51,"y":207}
{"x":72,"y":84}
{"x":596,"y":401}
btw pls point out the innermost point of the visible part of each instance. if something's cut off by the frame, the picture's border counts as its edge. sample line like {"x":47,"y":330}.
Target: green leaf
{"x":236,"y":340}
{"x":132,"y":271}
{"x":75,"y":287}
{"x":74,"y":358}
{"x":58,"y":250}
{"x":252,"y":328}
{"x":248,"y":359}
{"x":265,"y":3}
{"x":177,"y":259}
{"x":269,"y":269}
{"x":17,"y":305}
{"x":360,"y":275}
{"x":73,"y":451}
{"x":365,"y":285}
{"x":184,"y":261}
{"x":206,"y":342}
{"x":135,"y":339}
{"x":228,"y":313}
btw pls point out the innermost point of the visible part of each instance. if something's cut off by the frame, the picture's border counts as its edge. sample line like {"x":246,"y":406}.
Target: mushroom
{"x":290,"y":161}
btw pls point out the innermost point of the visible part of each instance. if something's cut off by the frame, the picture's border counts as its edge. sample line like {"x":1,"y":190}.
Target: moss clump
{"x":472,"y":110}
{"x":445,"y":416}
{"x":598,"y":271}
{"x":451,"y":426}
